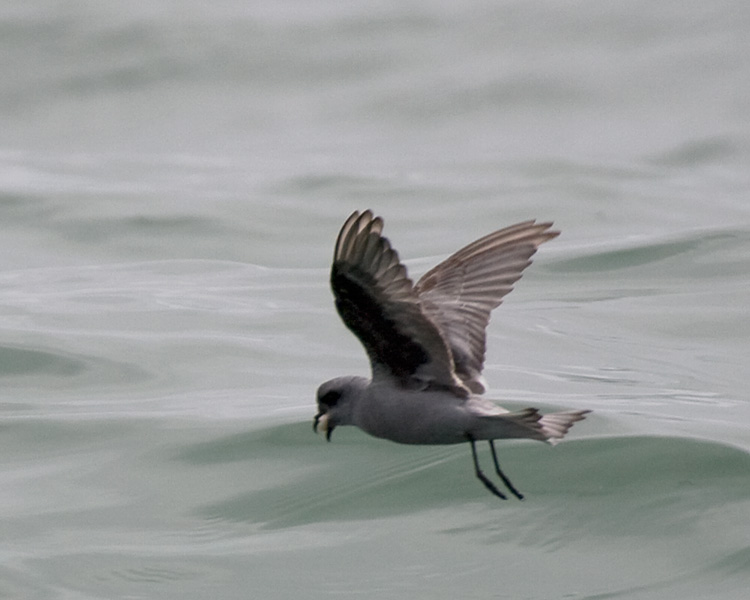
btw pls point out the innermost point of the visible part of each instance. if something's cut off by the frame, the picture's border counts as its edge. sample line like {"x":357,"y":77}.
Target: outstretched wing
{"x":377,"y":301}
{"x":459,"y":293}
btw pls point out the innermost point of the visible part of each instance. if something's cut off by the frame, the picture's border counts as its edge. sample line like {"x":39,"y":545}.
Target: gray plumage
{"x":426,"y":342}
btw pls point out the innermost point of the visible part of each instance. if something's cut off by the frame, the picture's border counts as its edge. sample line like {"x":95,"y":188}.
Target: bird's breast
{"x":414,"y":417}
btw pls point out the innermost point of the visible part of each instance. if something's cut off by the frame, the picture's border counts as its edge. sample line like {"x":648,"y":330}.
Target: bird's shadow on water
{"x":288,"y":477}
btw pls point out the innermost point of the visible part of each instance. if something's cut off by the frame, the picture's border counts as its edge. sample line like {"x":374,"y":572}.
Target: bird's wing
{"x":459,"y":293}
{"x":377,"y":301}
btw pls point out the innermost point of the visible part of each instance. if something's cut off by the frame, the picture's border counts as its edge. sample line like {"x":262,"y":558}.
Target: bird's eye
{"x":330,"y":398}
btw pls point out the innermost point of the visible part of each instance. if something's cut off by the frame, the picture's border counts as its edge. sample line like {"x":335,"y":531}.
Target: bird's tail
{"x":556,"y":425}
{"x":528,"y":423}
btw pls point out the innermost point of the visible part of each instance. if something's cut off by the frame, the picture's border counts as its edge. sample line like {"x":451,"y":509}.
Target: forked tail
{"x":556,"y":425}
{"x":527,"y":423}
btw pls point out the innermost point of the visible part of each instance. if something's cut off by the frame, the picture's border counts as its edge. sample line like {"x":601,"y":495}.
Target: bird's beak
{"x":322,"y":425}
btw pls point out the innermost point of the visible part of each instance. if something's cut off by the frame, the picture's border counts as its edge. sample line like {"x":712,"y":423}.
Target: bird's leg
{"x":501,"y":475}
{"x":481,"y":476}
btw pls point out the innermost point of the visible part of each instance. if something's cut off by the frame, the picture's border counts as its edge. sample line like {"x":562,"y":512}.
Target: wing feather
{"x":377,"y":302}
{"x":459,"y":293}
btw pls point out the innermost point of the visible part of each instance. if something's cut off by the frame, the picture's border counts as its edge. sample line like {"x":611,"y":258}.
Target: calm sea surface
{"x":172,"y":178}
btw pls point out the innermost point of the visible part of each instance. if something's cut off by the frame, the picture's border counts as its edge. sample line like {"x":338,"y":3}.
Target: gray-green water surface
{"x":172,"y":178}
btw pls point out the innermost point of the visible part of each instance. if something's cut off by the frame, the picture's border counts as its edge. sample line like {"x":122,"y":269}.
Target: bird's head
{"x":336,"y":399}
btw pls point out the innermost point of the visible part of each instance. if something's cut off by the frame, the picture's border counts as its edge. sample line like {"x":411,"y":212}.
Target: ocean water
{"x":172,"y":179}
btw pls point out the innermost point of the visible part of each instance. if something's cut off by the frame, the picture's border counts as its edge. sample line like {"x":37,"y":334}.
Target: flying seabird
{"x":426,"y":342}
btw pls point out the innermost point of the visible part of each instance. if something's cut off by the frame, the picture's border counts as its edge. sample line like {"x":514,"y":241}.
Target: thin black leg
{"x":481,"y":476}
{"x":501,"y":475}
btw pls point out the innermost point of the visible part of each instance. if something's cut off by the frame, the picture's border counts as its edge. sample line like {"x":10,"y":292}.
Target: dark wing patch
{"x":377,"y":302}
{"x":459,"y":293}
{"x":362,"y":313}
